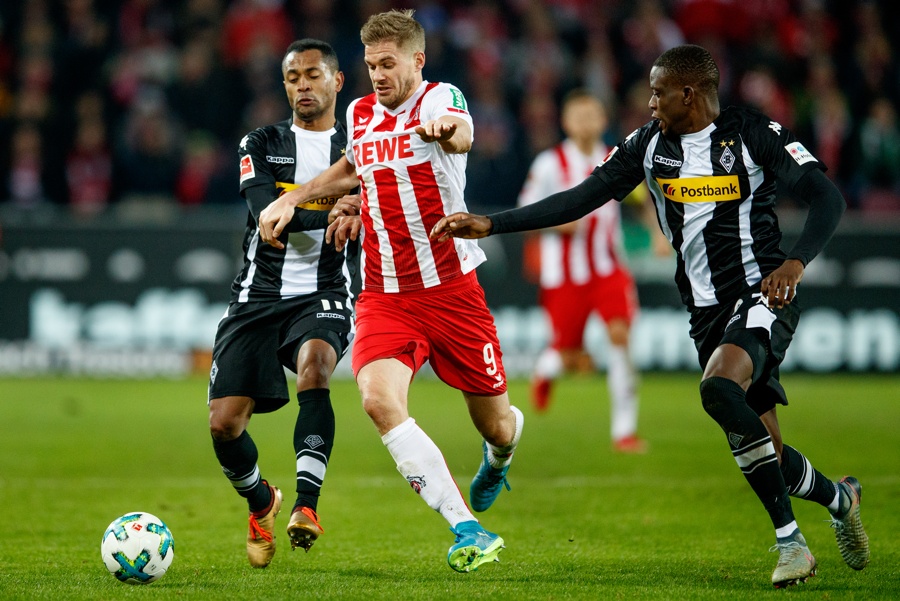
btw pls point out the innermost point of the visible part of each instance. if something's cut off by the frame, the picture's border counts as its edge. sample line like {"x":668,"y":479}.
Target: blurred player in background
{"x":290,"y":306}
{"x":582,"y":271}
{"x":421,"y":301}
{"x":712,"y":174}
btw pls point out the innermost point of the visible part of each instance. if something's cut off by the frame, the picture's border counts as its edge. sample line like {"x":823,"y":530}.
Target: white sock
{"x":420,"y":461}
{"x":786,"y":530}
{"x":500,"y":457}
{"x":623,"y":397}
{"x":549,"y":364}
{"x":835,"y":505}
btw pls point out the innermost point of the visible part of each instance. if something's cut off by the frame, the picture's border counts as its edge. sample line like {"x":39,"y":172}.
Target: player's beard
{"x":402,"y":91}
{"x":309,"y":113}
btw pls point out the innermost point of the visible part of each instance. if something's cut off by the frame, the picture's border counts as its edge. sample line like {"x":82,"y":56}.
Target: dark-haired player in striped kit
{"x":290,"y":307}
{"x":712,"y":176}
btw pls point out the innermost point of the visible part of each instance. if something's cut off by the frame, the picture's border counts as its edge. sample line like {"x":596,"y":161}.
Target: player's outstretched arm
{"x":338,"y":179}
{"x":461,"y":225}
{"x":554,"y":210}
{"x":452,"y":133}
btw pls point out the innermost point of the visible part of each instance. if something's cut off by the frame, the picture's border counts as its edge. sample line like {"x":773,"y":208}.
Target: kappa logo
{"x":323,"y":315}
{"x":313,"y":441}
{"x":280,"y":160}
{"x":776,"y":127}
{"x":733,"y":319}
{"x":417,"y":483}
{"x":666,"y":161}
{"x":244,"y":142}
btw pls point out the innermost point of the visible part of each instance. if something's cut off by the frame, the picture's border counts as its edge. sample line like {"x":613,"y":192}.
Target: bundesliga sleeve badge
{"x":247,"y":170}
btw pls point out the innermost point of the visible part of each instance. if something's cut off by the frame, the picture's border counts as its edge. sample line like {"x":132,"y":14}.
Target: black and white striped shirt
{"x":714,"y":192}
{"x":275,"y":159}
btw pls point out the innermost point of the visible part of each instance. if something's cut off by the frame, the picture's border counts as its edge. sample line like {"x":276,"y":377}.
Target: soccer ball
{"x":137,"y":548}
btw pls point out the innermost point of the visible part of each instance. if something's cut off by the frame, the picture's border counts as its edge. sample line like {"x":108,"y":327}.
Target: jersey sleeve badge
{"x":459,"y":102}
{"x":799,"y":153}
{"x":247,"y":169}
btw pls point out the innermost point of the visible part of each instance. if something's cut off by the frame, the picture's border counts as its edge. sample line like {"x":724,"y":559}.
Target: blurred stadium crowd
{"x":106,"y":103}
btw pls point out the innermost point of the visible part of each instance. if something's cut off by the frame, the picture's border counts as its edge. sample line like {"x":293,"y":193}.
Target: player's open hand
{"x":273,"y":219}
{"x":780,"y":286}
{"x":342,"y":229}
{"x":436,"y":130}
{"x":461,"y":225}
{"x":346,"y":205}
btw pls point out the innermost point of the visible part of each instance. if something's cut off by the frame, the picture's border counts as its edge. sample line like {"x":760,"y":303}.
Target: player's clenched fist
{"x":273,"y":219}
{"x":346,"y":205}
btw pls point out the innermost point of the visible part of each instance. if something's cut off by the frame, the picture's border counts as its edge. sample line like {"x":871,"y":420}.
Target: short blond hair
{"x":396,"y":26}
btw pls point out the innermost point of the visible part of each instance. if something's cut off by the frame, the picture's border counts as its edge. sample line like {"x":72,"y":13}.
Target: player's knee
{"x":374,"y":406}
{"x":223,"y":424}
{"x":715,"y":398}
{"x":497,"y":434}
{"x":224,"y":427}
{"x":314,"y":373}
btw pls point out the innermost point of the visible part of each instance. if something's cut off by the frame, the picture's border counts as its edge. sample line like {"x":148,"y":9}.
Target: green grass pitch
{"x":579,"y":523}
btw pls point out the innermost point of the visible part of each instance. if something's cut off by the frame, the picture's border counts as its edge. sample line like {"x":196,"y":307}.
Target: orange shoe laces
{"x":311,"y":514}
{"x":258,"y":531}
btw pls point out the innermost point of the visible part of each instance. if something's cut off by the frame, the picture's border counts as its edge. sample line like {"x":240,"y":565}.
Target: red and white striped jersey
{"x":407,"y":185}
{"x":595,"y":249}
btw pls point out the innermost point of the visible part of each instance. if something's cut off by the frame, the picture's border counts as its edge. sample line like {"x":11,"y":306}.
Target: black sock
{"x":725,"y":401}
{"x":803,"y":480}
{"x":313,"y":439}
{"x":238,"y":460}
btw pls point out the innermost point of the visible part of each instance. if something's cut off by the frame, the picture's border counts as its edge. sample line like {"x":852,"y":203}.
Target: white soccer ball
{"x":137,"y":548}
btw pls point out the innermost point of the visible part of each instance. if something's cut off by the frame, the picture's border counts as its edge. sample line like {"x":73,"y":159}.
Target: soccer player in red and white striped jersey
{"x":421,"y":301}
{"x":582,"y":270}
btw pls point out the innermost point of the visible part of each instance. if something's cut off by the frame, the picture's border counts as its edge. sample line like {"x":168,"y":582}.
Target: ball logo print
{"x":137,"y":548}
{"x":417,"y":483}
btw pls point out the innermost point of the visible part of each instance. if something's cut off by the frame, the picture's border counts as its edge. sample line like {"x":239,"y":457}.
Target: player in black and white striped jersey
{"x":712,"y":176}
{"x":290,"y":307}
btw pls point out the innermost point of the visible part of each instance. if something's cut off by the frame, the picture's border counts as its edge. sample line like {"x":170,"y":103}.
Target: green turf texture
{"x":579,"y":523}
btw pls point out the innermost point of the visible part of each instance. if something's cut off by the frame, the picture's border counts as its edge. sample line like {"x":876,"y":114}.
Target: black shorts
{"x":763,"y":332}
{"x":256,"y":341}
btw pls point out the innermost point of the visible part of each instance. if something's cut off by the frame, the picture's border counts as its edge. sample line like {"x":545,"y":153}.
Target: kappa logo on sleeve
{"x":247,"y":169}
{"x":799,"y":153}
